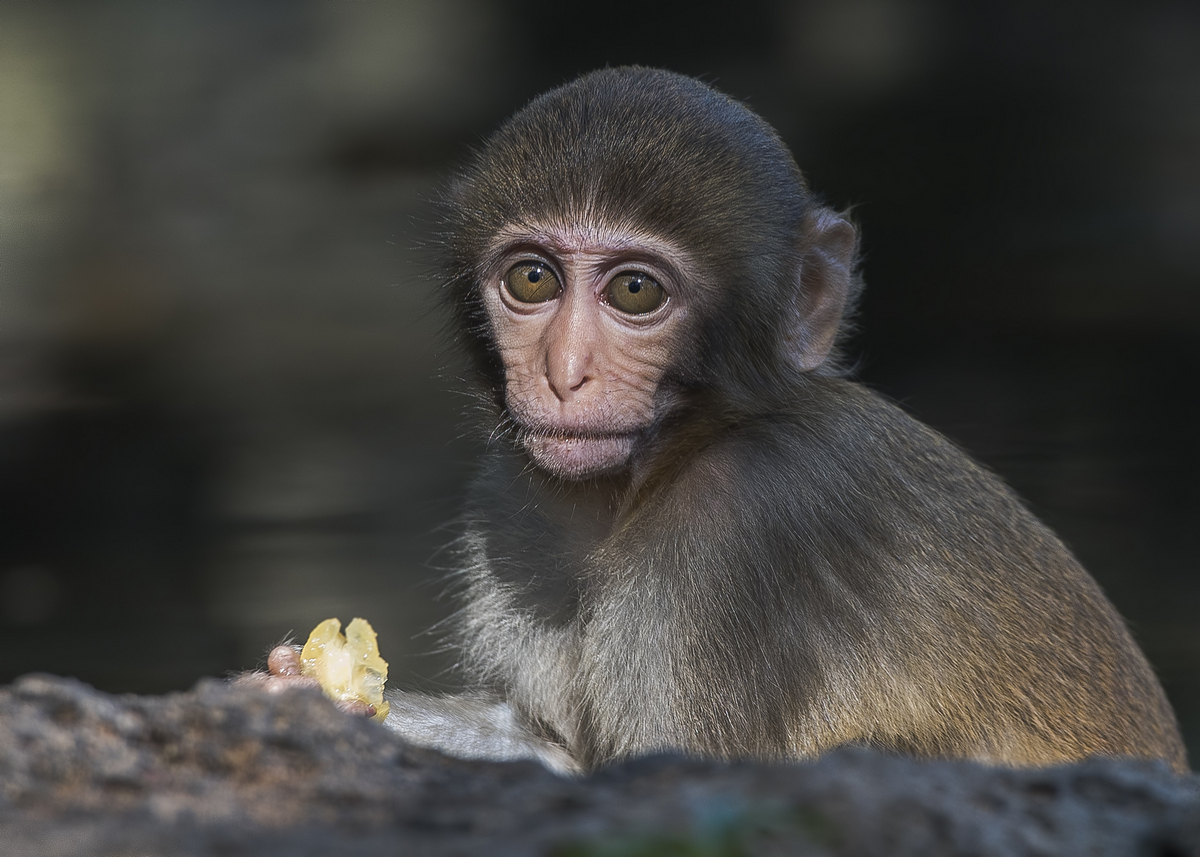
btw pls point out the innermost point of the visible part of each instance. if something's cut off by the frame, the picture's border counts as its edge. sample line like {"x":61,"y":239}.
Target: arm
{"x":467,"y":725}
{"x":472,"y":726}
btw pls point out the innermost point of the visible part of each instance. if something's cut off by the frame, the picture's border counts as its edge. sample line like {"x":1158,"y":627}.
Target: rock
{"x":224,"y":770}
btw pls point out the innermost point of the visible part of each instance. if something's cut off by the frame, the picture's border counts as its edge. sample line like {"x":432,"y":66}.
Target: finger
{"x":356,"y":707}
{"x":284,"y":661}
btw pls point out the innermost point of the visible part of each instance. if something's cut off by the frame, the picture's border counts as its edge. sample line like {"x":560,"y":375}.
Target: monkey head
{"x":631,"y":242}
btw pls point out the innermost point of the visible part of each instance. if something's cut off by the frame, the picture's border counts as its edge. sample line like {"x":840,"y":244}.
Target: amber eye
{"x":635,"y":293}
{"x":531,"y":282}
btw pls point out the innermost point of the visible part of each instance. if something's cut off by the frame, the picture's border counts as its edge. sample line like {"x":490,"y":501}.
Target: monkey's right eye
{"x":531,"y":282}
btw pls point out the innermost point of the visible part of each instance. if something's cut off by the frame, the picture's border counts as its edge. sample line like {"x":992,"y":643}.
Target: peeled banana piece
{"x":348,"y":667}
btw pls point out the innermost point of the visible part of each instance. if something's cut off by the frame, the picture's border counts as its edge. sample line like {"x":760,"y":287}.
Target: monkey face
{"x":586,"y":320}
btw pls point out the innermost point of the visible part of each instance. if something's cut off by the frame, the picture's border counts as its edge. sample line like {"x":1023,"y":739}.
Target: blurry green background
{"x":227,"y":408}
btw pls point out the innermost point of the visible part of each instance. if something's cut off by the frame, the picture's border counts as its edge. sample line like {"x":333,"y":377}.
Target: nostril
{"x":575,"y":389}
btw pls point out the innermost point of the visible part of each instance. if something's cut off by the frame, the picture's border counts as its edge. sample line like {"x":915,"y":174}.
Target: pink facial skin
{"x":581,"y":374}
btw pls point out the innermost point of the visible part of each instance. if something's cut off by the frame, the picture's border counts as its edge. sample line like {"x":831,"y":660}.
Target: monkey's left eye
{"x":635,"y":293}
{"x":531,"y":282}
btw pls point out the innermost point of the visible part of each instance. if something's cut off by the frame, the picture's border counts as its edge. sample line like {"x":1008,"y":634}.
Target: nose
{"x":570,"y":349}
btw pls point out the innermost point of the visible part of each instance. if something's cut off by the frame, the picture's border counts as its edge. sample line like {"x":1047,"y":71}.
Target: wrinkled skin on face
{"x":584,"y":357}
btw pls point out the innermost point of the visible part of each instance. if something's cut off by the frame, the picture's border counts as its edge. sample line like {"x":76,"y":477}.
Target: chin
{"x":577,"y":458}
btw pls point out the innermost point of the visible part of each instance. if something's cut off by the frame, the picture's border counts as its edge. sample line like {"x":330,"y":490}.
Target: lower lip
{"x":579,"y":457}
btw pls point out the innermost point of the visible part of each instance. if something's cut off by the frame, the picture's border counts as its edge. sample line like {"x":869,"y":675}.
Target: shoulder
{"x":834,"y":448}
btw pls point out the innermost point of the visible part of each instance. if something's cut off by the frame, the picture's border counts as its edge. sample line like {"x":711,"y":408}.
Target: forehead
{"x":577,"y":237}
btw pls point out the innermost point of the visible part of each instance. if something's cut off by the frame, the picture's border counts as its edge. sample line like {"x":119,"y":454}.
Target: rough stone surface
{"x":223,"y":770}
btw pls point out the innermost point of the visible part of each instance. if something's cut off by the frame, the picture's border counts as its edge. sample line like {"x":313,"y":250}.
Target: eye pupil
{"x":534,"y":275}
{"x":635,"y":286}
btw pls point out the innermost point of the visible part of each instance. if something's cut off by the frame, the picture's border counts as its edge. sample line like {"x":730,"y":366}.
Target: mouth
{"x":577,"y":454}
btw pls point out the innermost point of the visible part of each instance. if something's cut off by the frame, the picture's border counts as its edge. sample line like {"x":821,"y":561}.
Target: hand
{"x":283,"y":673}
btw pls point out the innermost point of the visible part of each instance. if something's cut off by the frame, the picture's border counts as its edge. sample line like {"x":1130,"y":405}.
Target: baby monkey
{"x":692,"y":532}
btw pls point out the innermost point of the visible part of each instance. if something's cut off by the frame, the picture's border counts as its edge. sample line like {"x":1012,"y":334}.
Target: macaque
{"x":692,"y":532}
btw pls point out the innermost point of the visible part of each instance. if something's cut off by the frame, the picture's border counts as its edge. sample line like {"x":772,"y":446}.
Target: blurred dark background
{"x":228,"y":410}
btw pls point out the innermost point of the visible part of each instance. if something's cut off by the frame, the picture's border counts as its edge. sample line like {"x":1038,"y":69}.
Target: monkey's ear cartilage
{"x":348,"y":668}
{"x":826,"y":283}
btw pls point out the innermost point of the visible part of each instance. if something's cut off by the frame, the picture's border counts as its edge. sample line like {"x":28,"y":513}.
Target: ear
{"x":828,"y":245}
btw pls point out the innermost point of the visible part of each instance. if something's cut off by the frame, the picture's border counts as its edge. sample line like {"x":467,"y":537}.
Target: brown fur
{"x":788,"y":563}
{"x":836,"y":575}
